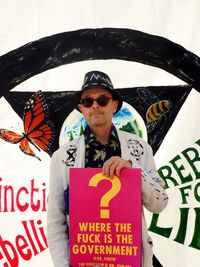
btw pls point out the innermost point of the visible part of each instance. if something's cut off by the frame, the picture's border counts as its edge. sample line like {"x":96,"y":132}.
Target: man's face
{"x":97,"y":115}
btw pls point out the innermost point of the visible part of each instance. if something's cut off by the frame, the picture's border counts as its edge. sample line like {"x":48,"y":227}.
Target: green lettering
{"x":165,"y":173}
{"x":196,"y":236}
{"x":197,"y":196}
{"x":187,"y":154}
{"x":159,"y":230}
{"x":198,"y":142}
{"x":180,"y":237}
{"x":179,"y":170}
{"x":183,"y":194}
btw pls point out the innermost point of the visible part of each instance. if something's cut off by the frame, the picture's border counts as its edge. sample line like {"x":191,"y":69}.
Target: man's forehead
{"x":96,"y":91}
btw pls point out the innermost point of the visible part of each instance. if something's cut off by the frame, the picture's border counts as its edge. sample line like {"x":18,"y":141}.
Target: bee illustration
{"x":157,"y":110}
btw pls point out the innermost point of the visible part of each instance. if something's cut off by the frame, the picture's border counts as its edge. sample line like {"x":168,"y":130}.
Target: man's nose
{"x":95,"y":104}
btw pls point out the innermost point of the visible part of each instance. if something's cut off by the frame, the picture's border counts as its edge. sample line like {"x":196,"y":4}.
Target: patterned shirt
{"x":96,"y":153}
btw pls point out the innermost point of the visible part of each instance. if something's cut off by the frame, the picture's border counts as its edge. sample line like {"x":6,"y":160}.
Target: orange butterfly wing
{"x":15,"y":138}
{"x":38,"y":130}
{"x":10,"y":136}
{"x":25,"y":147}
{"x":43,"y":136}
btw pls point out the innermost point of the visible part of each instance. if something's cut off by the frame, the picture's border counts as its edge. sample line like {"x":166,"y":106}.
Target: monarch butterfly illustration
{"x":157,"y":108}
{"x":37,"y":130}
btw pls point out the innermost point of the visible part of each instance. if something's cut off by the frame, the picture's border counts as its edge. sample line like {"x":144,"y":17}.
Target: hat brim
{"x":115,"y":94}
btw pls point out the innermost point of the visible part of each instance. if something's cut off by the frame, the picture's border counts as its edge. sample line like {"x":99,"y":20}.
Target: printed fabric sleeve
{"x":56,"y":220}
{"x":154,"y":196}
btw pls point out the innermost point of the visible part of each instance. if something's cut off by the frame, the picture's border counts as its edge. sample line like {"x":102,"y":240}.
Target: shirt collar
{"x":89,"y":136}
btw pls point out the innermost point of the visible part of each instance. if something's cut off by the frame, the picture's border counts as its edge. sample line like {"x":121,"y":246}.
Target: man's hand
{"x":114,"y":165}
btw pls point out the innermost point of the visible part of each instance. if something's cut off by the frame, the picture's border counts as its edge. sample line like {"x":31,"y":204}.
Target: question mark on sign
{"x":116,"y":186}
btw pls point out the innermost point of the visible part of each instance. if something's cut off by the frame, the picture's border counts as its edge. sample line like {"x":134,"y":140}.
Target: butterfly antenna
{"x":32,"y":143}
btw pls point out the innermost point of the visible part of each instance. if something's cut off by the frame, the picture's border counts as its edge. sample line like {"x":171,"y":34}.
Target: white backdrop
{"x":24,"y":21}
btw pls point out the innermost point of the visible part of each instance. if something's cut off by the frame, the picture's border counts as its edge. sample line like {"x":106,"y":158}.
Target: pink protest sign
{"x":105,"y":218}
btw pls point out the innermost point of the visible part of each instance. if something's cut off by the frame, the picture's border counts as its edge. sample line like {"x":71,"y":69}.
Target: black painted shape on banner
{"x":103,"y":43}
{"x":156,"y":262}
{"x":62,"y":103}
{"x":176,"y":94}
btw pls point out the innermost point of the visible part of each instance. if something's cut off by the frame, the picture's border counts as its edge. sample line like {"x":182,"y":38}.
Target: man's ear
{"x":80,"y":107}
{"x":115,"y":102}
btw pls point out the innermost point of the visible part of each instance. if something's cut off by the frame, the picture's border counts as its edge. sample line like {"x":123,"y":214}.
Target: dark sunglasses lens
{"x":103,"y":101}
{"x":87,"y":102}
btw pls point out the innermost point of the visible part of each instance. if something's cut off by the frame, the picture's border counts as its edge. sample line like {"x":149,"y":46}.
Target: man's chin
{"x":97,"y":122}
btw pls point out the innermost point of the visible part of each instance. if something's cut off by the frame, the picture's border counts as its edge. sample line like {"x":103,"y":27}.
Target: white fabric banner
{"x":176,"y":230}
{"x":24,"y":179}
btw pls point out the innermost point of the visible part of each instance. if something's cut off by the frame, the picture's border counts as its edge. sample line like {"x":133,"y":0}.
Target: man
{"x":104,"y":146}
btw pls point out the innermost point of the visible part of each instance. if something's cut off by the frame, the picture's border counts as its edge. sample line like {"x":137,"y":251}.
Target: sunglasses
{"x":102,"y":101}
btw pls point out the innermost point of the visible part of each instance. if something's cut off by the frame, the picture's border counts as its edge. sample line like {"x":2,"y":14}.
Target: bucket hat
{"x":98,"y":79}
